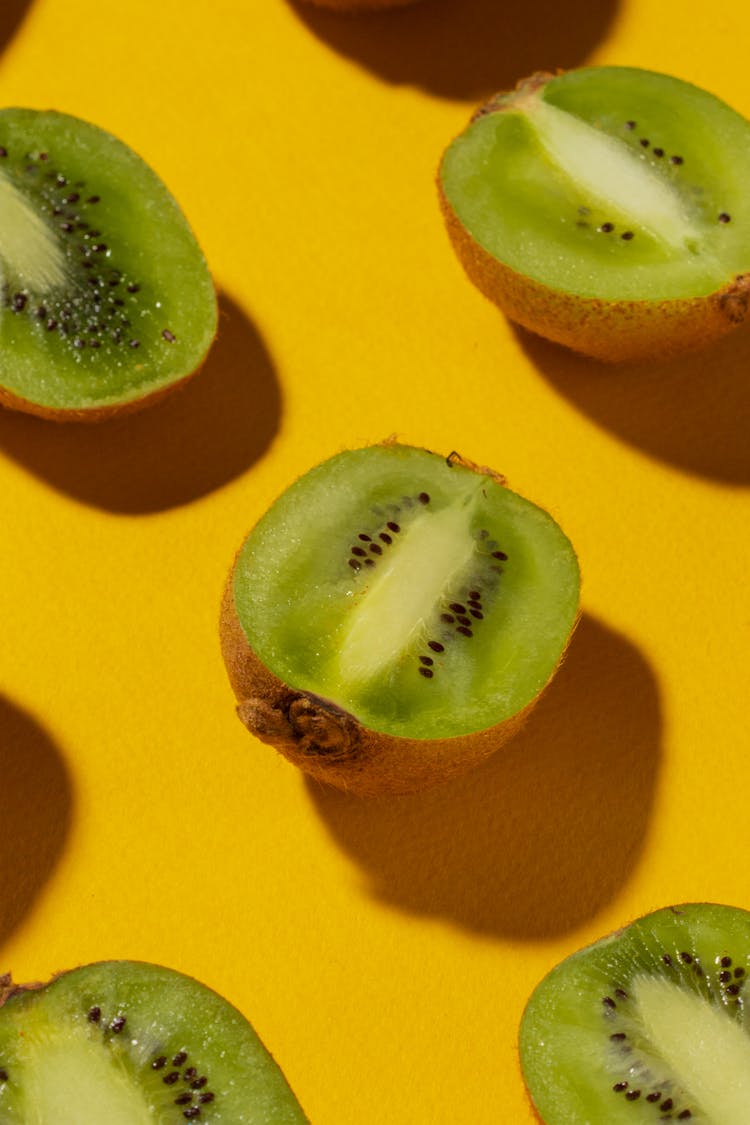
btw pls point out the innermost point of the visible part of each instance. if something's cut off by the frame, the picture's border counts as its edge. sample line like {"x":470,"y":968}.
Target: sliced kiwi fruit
{"x":106,"y":299}
{"x":649,"y":1024}
{"x":607,"y":209}
{"x":128,"y":1043}
{"x":392,"y":617}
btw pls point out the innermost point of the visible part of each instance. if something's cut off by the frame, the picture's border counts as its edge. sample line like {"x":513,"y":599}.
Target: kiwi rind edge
{"x":329,"y":743}
{"x":613,"y":331}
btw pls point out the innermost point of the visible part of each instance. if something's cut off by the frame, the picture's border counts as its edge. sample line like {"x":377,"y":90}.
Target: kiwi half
{"x":106,"y":298}
{"x":606,"y":209}
{"x":392,"y":617}
{"x":650,"y":1024}
{"x":127,"y":1043}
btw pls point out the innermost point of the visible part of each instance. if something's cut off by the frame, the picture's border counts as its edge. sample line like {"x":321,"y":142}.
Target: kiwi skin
{"x":611,"y":331}
{"x":329,"y":743}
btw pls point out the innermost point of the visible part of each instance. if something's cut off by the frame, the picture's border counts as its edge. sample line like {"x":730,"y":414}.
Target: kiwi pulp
{"x":649,"y":1024}
{"x":127,"y":1043}
{"x":106,"y":298}
{"x":606,"y":208}
{"x":393,"y":615}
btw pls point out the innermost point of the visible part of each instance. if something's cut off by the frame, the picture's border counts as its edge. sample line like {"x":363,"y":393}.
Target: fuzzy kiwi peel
{"x":128,"y":1043}
{"x":606,"y":209}
{"x":646,"y":1025}
{"x":107,"y":303}
{"x":392,"y":618}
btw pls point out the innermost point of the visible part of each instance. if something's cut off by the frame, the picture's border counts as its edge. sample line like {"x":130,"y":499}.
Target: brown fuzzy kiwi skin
{"x":330,"y":744}
{"x":617,"y":331}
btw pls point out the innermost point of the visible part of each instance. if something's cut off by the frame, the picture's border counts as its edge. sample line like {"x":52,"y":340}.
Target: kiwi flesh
{"x":106,"y":302}
{"x":393,"y":616}
{"x":649,"y":1024}
{"x":606,"y":208}
{"x":128,"y":1043}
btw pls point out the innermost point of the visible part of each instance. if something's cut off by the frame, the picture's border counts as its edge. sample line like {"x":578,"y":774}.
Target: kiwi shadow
{"x":37,"y":812}
{"x":208,"y":432}
{"x":12,"y":15}
{"x":546,"y":832}
{"x":464,"y":48}
{"x":692,"y":412}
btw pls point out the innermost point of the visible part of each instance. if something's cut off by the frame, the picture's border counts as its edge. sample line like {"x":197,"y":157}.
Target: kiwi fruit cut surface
{"x":649,"y":1024}
{"x":393,"y":616}
{"x":127,"y":1043}
{"x":607,"y":209}
{"x":106,"y":300}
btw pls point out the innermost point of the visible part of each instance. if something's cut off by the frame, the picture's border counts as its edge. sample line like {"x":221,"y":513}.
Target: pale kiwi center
{"x":394,"y":608}
{"x":73,"y":1082}
{"x":612,"y":176}
{"x":706,"y":1051}
{"x":30,"y":251}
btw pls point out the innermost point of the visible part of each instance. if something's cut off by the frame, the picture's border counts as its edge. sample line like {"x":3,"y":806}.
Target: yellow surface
{"x":383,"y":950}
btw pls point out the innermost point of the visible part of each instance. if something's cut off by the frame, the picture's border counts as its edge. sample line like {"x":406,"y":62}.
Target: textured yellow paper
{"x":383,"y":950}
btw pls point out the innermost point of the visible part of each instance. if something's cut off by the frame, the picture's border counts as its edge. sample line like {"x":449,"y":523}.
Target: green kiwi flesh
{"x":127,"y":1043}
{"x":106,"y":297}
{"x":605,"y":191}
{"x":649,"y":1024}
{"x":415,"y":593}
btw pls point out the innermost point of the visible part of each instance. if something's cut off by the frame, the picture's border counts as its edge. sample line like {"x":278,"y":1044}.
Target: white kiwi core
{"x":396,"y":605}
{"x":706,"y":1051}
{"x":30,"y":252}
{"x":613,"y":176}
{"x":71,"y":1081}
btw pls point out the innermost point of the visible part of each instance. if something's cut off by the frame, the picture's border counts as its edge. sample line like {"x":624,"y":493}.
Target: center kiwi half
{"x":394,"y":614}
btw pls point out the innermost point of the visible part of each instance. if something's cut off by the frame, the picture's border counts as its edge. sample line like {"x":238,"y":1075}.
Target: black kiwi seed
{"x":427,"y":673}
{"x":117,"y":1025}
{"x":619,"y":1087}
{"x":448,"y":618}
{"x":199,"y":1083}
{"x":179,"y":1058}
{"x":633,"y":1095}
{"x":3,"y":1074}
{"x":606,"y":228}
{"x":392,"y":526}
{"x":183,"y":1099}
{"x":157,"y":1064}
{"x":436,"y":646}
{"x":658,"y":151}
{"x":676,"y":160}
{"x":171,"y":1078}
{"x":94,"y":1014}
{"x":426,"y":660}
{"x":654,"y":1096}
{"x":457,"y":607}
{"x":724,"y":217}
{"x":608,"y":1002}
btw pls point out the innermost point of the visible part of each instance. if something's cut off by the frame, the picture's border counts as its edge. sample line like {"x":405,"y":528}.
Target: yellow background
{"x":383,"y":950}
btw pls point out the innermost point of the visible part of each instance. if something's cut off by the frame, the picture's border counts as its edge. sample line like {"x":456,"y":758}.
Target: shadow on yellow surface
{"x":205,"y":434}
{"x":465,"y":48}
{"x":37,"y":807}
{"x":543,"y":835}
{"x":12,"y":14}
{"x":693,"y":412}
